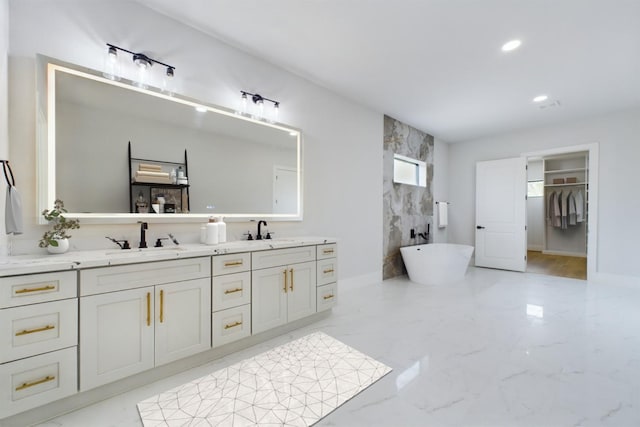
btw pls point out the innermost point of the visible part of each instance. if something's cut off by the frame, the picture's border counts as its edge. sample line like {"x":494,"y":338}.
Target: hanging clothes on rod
{"x":565,"y":208}
{"x":13,"y":204}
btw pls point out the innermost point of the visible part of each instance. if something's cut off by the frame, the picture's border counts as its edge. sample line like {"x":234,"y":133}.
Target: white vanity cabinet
{"x":327,"y":276}
{"x":283,"y":286}
{"x":38,"y":339}
{"x":138,"y":316}
{"x":231,"y":298}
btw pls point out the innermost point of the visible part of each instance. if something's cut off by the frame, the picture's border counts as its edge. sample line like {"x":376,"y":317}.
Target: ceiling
{"x":437,"y":64}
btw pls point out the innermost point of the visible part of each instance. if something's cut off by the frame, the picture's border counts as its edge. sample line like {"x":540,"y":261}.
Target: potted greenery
{"x":56,"y":240}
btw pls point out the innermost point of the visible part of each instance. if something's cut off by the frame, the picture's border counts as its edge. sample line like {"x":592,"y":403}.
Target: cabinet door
{"x":268,"y":298}
{"x":182,"y":319}
{"x":116,"y":336}
{"x":302,"y":290}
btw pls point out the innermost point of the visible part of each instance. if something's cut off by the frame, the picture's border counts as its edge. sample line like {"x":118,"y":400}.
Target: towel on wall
{"x":13,"y":204}
{"x":443,"y":219}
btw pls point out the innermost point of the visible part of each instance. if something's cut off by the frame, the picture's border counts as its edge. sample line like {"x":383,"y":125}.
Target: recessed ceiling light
{"x":511,"y":45}
{"x":540,"y":98}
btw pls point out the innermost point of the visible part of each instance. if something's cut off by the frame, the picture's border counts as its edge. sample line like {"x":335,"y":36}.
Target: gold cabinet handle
{"x":148,"y":308}
{"x":231,"y":291}
{"x":285,"y":280}
{"x":161,"y":306}
{"x":328,"y":296}
{"x":233,"y":325}
{"x":42,"y":288}
{"x":291,"y":271}
{"x":33,"y":331}
{"x":330,"y":270}
{"x":42,"y":381}
{"x":327,"y":251}
{"x":232,"y":263}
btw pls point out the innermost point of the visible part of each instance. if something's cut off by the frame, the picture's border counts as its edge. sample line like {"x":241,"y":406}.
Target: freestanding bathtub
{"x":436,"y":263}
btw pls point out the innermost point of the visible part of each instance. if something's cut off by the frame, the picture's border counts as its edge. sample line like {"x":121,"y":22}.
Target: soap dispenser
{"x":222,"y":230}
{"x":212,"y":231}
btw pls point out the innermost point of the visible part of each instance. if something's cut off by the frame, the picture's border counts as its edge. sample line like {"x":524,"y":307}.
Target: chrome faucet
{"x":143,"y":239}
{"x":259,"y":236}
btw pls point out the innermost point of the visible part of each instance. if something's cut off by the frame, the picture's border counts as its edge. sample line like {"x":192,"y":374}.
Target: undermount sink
{"x":145,"y":251}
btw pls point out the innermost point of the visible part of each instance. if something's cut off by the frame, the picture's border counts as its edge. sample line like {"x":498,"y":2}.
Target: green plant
{"x":60,"y":225}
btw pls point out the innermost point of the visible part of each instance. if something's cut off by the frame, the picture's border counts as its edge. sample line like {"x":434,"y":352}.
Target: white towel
{"x":443,"y":219}
{"x":13,"y":211}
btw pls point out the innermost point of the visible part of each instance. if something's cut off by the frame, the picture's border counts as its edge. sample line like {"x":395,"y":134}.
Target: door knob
{"x":479,"y":227}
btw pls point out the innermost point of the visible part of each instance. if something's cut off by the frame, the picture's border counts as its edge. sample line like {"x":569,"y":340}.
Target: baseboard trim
{"x":619,"y":279}
{"x":565,"y":253}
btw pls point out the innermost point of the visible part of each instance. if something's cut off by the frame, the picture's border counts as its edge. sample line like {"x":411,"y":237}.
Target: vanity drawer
{"x":327,"y":251}
{"x":276,"y":257}
{"x":327,"y":271}
{"x":37,"y":380}
{"x":35,"y":288}
{"x":231,"y":263}
{"x":231,"y":290}
{"x":231,"y":325}
{"x":327,"y":296}
{"x":130,"y":276}
{"x":38,"y":328}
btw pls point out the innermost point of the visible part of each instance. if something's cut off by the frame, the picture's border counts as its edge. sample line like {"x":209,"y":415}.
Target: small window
{"x":409,"y":171}
{"x":535,"y":188}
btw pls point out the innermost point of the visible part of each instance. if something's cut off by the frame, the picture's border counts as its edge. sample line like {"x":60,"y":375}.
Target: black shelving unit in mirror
{"x":158,"y":186}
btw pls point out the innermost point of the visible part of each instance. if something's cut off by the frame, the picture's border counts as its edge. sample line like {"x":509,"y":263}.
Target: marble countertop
{"x":29,"y":264}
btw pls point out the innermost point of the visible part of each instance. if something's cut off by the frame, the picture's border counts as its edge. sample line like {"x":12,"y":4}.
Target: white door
{"x":285,"y":190}
{"x":183,"y":319}
{"x":302,"y":291}
{"x":116,"y":337}
{"x":268,"y":298}
{"x":501,"y":191}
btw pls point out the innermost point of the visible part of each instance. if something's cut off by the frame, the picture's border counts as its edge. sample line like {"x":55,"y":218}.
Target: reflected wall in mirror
{"x":237,"y":166}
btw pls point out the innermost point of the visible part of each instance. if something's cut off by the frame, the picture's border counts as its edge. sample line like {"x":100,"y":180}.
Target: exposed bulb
{"x":111,"y":64}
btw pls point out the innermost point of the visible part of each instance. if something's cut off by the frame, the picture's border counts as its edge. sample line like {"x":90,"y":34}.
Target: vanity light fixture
{"x":258,"y":101}
{"x":143,"y":63}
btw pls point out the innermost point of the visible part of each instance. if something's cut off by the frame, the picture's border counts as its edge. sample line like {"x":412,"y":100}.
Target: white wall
{"x":440,"y":186}
{"x":617,"y":135}
{"x":4,"y":120}
{"x":341,"y":140}
{"x":535,"y":209}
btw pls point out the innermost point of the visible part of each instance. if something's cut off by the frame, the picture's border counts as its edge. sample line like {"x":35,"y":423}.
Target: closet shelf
{"x":565,"y":170}
{"x":566,"y":184}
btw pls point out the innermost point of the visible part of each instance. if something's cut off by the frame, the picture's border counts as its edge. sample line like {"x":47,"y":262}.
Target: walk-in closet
{"x":558,"y":214}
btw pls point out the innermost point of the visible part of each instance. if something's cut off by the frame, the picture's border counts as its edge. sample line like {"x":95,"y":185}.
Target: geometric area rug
{"x":295,"y":384}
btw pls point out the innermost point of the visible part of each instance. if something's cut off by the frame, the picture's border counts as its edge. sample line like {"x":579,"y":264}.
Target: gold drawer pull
{"x":285,"y":280}
{"x":232,"y":263}
{"x":328,"y":271}
{"x":233,"y":325}
{"x":148,"y":308}
{"x":33,"y":331}
{"x":42,"y":288}
{"x":291,"y":287}
{"x":231,"y":291}
{"x":327,"y":251}
{"x":42,"y":381}
{"x":328,"y":296}
{"x":161,"y":306}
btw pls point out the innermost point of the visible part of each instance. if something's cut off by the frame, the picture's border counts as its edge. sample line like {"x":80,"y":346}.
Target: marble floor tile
{"x":497,"y":349}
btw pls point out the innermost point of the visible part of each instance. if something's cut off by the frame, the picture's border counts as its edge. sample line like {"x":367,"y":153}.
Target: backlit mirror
{"x":111,"y":150}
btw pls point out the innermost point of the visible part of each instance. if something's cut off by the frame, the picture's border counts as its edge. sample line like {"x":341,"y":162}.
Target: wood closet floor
{"x":557,"y":265}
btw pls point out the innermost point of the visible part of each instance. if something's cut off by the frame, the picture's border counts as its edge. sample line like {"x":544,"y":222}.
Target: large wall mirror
{"x":95,"y":135}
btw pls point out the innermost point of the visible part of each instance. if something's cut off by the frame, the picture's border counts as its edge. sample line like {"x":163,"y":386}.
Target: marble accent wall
{"x":404,"y":206}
